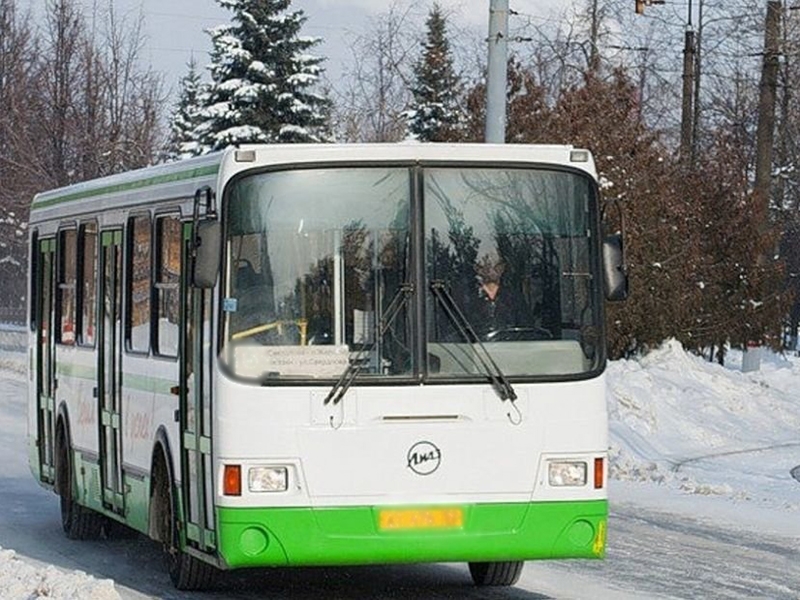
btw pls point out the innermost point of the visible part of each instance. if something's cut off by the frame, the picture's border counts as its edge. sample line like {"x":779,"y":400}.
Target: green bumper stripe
{"x":252,"y":537}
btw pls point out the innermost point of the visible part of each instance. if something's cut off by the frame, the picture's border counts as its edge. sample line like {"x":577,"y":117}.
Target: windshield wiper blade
{"x":349,"y":375}
{"x":500,"y":382}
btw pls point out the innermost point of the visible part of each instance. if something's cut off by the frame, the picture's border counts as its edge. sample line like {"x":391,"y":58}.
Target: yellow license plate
{"x":421,"y":518}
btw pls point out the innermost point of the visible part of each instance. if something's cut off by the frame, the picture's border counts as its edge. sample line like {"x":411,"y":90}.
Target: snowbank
{"x":682,"y":422}
{"x":22,"y":581}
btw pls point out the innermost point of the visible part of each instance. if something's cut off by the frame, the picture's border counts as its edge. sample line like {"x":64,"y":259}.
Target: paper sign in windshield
{"x":291,"y":361}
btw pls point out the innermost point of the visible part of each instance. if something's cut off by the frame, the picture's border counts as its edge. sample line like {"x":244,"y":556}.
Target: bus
{"x":324,"y":355}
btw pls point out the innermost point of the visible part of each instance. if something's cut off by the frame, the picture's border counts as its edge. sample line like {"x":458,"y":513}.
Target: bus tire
{"x":78,"y":522}
{"x":189,"y":573}
{"x":186,"y":572}
{"x":495,"y":573}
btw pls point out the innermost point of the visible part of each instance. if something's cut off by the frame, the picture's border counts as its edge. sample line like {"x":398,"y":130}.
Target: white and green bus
{"x":328,"y":355}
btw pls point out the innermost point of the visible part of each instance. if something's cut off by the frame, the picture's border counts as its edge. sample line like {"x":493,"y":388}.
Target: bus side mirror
{"x":206,"y":251}
{"x":616,"y":279}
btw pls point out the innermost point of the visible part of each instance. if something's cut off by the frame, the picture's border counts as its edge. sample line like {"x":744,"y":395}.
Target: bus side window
{"x":138,"y":285}
{"x":167,"y":285}
{"x":34,"y":274}
{"x":67,"y":276}
{"x":87,"y":301}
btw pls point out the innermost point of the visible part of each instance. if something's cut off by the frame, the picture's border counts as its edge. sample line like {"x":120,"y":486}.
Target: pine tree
{"x":262,"y":78}
{"x":183,"y":142}
{"x":434,"y":115}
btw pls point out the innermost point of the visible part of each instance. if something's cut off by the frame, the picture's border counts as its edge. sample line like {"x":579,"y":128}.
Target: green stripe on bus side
{"x":78,"y":371}
{"x":142,"y":383}
{"x":257,"y":537}
{"x":148,"y":384}
{"x":132,"y":185}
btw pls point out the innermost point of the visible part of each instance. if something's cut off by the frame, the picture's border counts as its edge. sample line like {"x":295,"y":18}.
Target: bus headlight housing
{"x":267,"y":479}
{"x":567,"y":473}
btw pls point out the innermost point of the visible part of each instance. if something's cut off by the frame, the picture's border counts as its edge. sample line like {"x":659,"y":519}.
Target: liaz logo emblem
{"x":424,"y":458}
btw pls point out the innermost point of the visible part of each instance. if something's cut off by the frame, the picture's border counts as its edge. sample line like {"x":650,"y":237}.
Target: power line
{"x":182,"y":16}
{"x":162,"y":49}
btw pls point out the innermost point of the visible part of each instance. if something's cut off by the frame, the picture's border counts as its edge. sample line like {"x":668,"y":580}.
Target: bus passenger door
{"x":110,"y":369}
{"x":45,"y":359}
{"x":195,"y":408}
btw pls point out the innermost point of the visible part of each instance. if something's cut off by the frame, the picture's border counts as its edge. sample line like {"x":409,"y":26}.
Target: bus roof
{"x":177,"y":179}
{"x":180,"y":179}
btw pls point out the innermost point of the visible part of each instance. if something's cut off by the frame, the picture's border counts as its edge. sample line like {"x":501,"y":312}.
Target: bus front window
{"x":314,"y":259}
{"x":513,"y":250}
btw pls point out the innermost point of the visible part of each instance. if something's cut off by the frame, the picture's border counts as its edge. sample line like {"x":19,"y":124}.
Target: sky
{"x":689,"y":438}
{"x":175,"y":28}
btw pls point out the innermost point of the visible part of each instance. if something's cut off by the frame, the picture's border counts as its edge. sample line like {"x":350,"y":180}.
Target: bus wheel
{"x":186,"y":572}
{"x":189,"y":573}
{"x":495,"y":573}
{"x":78,"y":522}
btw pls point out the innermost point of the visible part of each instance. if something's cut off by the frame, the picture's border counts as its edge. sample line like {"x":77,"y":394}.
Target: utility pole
{"x":640,"y":4}
{"x":497,"y":72}
{"x":783,"y":157}
{"x":698,"y":73}
{"x":765,"y":132}
{"x":594,"y":53}
{"x":688,"y":89}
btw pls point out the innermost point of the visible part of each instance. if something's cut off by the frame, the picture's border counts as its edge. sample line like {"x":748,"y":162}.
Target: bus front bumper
{"x":261,"y":537}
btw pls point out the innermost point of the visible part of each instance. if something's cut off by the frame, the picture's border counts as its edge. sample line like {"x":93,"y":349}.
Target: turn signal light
{"x":598,"y":473}
{"x":232,"y":480}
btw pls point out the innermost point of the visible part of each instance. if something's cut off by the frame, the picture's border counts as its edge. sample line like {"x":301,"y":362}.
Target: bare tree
{"x":132,"y":95}
{"x":377,"y":90}
{"x":64,"y":31}
{"x":18,"y":85}
{"x":75,"y":103}
{"x":101,"y":107}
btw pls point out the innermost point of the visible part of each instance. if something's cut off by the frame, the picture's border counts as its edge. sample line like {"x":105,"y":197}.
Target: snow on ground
{"x":20,"y":577}
{"x":702,"y":438}
{"x":687,"y":436}
{"x":21,"y":580}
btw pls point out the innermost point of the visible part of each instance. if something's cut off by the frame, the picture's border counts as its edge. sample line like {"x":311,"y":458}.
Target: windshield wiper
{"x":499,"y":381}
{"x":354,"y":367}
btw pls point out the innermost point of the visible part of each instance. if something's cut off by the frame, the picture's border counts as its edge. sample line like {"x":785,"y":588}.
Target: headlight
{"x":566,"y":473}
{"x":267,"y":479}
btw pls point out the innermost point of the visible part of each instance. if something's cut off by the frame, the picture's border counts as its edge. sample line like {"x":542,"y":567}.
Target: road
{"x":651,"y":554}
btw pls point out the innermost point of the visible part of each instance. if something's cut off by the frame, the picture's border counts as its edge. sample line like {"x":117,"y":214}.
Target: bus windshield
{"x":321,"y":273}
